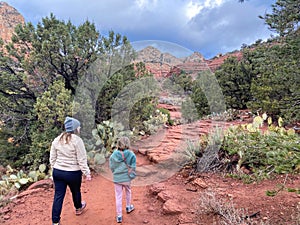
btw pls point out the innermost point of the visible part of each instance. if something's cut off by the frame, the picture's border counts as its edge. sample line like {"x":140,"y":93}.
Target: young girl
{"x":120,"y":162}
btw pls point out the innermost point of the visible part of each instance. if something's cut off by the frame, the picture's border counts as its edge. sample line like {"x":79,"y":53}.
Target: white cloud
{"x":192,"y":9}
{"x":195,"y":7}
{"x":226,"y":27}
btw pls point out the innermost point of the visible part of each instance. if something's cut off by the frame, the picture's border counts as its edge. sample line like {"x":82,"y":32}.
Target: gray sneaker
{"x":80,"y":210}
{"x":129,"y":209}
{"x":119,"y":219}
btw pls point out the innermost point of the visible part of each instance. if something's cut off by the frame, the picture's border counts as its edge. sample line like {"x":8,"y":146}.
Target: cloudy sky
{"x":206,"y":26}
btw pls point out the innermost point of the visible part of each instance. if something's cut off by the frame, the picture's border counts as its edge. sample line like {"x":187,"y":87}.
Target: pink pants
{"x":119,"y":196}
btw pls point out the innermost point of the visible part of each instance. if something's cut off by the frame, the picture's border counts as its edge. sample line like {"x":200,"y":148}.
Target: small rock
{"x":150,"y":209}
{"x":143,"y":151}
{"x":6,"y":217}
{"x":20,"y":201}
{"x":46,"y":183}
{"x":156,"y":188}
{"x":172,"y":207}
{"x":164,"y":196}
{"x":245,"y":170}
{"x":201,"y":183}
{"x":145,"y":221}
{"x":4,"y":210}
{"x":29,"y":192}
{"x":185,"y":219}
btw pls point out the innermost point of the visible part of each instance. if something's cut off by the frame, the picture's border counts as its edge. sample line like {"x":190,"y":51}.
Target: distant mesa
{"x":9,"y":19}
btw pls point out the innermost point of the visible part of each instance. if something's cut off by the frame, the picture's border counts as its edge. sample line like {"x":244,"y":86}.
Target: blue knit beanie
{"x":71,"y":124}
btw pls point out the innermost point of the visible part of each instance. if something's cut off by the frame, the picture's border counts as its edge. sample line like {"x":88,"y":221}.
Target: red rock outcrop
{"x":9,"y":19}
{"x":217,"y":61}
{"x":156,"y":62}
{"x":164,"y":64}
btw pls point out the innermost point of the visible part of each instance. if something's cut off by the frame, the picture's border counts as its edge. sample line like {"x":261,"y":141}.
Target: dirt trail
{"x":35,"y":208}
{"x":99,"y":193}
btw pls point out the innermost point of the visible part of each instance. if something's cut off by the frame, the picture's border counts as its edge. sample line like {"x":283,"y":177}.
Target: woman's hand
{"x":88,"y":177}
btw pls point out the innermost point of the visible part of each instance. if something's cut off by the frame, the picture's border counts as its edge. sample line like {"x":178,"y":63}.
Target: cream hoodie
{"x":69,"y":157}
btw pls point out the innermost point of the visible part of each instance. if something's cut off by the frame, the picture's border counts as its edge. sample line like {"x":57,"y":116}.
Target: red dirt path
{"x":35,"y":209}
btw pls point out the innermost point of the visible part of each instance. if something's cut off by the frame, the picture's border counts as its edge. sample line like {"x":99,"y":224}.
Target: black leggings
{"x":62,"y":179}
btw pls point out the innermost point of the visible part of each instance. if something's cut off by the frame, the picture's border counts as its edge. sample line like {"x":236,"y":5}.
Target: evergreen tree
{"x":285,"y":17}
{"x":51,"y":110}
{"x":235,"y":78}
{"x":39,"y":56}
{"x":55,"y":49}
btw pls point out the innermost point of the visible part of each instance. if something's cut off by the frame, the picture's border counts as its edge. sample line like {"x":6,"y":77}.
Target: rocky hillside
{"x":215,"y":62}
{"x":165,"y":64}
{"x":9,"y":19}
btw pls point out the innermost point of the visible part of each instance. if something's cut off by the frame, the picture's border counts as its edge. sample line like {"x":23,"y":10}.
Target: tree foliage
{"x":267,"y":78}
{"x":32,"y":64}
{"x":55,"y":49}
{"x":207,"y":94}
{"x":235,"y":80}
{"x":110,"y":91}
{"x":36,"y":57}
{"x":285,"y":17}
{"x":16,"y":102}
{"x":50,"y":109}
{"x":203,"y":94}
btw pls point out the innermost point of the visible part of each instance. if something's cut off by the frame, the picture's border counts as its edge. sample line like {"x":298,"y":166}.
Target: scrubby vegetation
{"x":227,"y":211}
{"x":249,"y":152}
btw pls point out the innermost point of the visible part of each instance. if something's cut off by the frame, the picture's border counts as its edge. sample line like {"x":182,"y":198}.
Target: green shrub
{"x":274,"y":151}
{"x":51,"y":109}
{"x":154,"y":123}
{"x":167,"y":112}
{"x":14,"y":180}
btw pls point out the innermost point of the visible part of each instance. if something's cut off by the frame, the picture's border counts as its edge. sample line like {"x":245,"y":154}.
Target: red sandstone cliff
{"x":9,"y":19}
{"x":164,"y":64}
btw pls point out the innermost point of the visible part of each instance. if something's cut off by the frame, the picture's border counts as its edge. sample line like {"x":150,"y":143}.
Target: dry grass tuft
{"x":227,"y":212}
